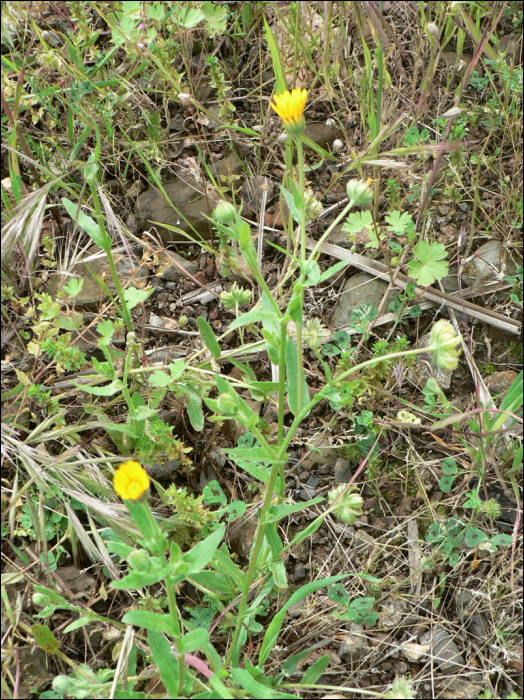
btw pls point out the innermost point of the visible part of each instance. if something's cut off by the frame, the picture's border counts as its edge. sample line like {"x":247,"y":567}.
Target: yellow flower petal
{"x":130,"y":481}
{"x":290,"y":107}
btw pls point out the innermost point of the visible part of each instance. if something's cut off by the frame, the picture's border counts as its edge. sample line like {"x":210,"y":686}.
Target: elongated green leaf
{"x":107,"y":390}
{"x":194,"y":406}
{"x":165,"y":660}
{"x":276,"y":513}
{"x":256,"y":689}
{"x":254,"y":317}
{"x":195,"y":640}
{"x":292,"y":379}
{"x":150,"y":621}
{"x":278,"y":68}
{"x":200,"y":555}
{"x":273,"y":630}
{"x":208,"y":337}
{"x":315,"y":670}
{"x":295,"y":211}
{"x":333,"y":270}
{"x":86,"y":222}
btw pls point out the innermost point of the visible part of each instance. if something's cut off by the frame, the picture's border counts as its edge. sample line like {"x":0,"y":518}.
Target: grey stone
{"x":491,"y":262}
{"x":343,"y":471}
{"x":186,"y":208}
{"x":130,"y":274}
{"x":327,"y":453}
{"x":354,"y":646}
{"x":306,"y":492}
{"x":444,"y":650}
{"x":230,"y":165}
{"x":321,"y":133}
{"x":359,"y":289}
{"x":218,"y":457}
{"x":340,"y":237}
{"x":170,"y":272}
{"x":300,"y":572}
{"x":312,"y":481}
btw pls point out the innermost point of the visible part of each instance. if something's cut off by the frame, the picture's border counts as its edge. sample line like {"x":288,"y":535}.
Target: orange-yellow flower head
{"x":131,"y":481}
{"x":290,"y":108}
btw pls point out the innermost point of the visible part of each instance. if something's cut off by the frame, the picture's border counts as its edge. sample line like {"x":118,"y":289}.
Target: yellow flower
{"x":290,"y":107}
{"x":130,"y":481}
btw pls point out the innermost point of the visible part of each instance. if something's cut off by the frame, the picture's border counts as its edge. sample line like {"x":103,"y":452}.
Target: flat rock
{"x":360,"y":288}
{"x":343,"y":471}
{"x":321,"y":133}
{"x":186,"y":209}
{"x":445,"y":652}
{"x":168,"y":271}
{"x":340,"y":237}
{"x":130,"y":274}
{"x":499,"y":382}
{"x":491,"y":263}
{"x":354,"y":646}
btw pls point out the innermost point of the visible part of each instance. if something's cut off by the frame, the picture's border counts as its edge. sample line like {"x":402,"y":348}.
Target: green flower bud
{"x":225,"y":212}
{"x":139,"y":560}
{"x":227,"y":404}
{"x":492,"y":509}
{"x":401,"y":688}
{"x":360,"y":192}
{"x":39,"y":599}
{"x":407,"y":417}
{"x":315,"y":333}
{"x":443,"y":340}
{"x":235,"y":296}
{"x":349,"y":506}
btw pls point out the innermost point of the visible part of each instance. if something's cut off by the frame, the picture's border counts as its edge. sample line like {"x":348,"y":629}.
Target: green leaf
{"x":314,"y":672}
{"x":255,"y":689}
{"x":312,"y":272}
{"x":358,"y":221}
{"x":429,"y":265}
{"x":202,"y":552}
{"x":278,"y":68}
{"x":106,"y":330}
{"x":134,"y":296}
{"x":292,"y":379}
{"x":194,"y":406}
{"x":160,"y":379}
{"x":275,"y":625}
{"x":213,"y":494}
{"x":108,"y":390}
{"x":338,"y":594}
{"x":333,"y":270}
{"x":150,"y":621}
{"x":93,"y":229}
{"x":278,"y":512}
{"x":194,"y":640}
{"x":208,"y":337}
{"x":294,"y":210}
{"x":165,"y":660}
{"x":254,"y":317}
{"x":399,"y":223}
{"x":474,"y":537}
{"x":73,"y":287}
{"x":446,"y":482}
{"x":501,"y":540}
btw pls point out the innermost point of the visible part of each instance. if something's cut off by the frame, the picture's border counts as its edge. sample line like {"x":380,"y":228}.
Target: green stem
{"x":298,"y":317}
{"x":253,"y":562}
{"x":173,"y":608}
{"x":282,"y":395}
{"x":330,"y":228}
